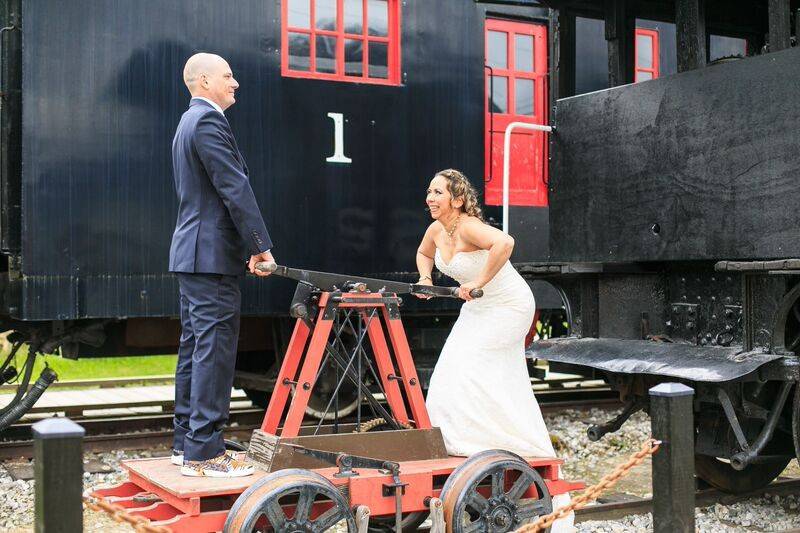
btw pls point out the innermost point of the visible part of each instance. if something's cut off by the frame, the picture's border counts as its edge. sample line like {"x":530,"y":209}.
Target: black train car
{"x":674,"y":230}
{"x":346,"y":109}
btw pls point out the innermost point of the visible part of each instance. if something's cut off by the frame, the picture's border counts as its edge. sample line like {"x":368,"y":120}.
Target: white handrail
{"x":507,"y":160}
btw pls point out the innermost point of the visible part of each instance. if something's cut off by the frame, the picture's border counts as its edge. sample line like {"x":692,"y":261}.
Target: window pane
{"x":498,"y":49}
{"x":523,"y":53}
{"x":354,"y":16}
{"x":299,"y":51}
{"x":498,"y":94}
{"x":726,"y":47}
{"x":353,"y":57}
{"x":644,"y":51}
{"x":642,"y":75}
{"x":326,"y":54}
{"x":523,"y":98}
{"x":378,"y":17}
{"x":378,"y":60}
{"x":300,"y":13}
{"x":325,"y":12}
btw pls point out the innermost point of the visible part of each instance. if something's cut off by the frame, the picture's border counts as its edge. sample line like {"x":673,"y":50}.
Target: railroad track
{"x":150,"y":430}
{"x":614,"y":510}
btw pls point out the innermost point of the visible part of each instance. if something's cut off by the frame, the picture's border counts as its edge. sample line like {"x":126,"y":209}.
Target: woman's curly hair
{"x":459,"y":187}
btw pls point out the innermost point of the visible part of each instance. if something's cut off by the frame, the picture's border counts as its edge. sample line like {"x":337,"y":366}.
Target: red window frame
{"x":653,"y":36}
{"x":392,"y":40}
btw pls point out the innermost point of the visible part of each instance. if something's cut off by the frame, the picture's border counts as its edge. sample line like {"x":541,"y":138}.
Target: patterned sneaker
{"x":177,"y":456}
{"x":222,"y":466}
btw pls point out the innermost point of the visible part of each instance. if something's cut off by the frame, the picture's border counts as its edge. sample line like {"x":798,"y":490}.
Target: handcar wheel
{"x":485,"y":493}
{"x":721,"y":475}
{"x":284,"y":501}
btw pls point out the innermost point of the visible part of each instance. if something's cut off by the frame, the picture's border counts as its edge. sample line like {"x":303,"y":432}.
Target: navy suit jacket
{"x":218,"y":218}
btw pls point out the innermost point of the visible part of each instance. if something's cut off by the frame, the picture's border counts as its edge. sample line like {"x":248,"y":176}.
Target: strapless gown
{"x":480,"y":393}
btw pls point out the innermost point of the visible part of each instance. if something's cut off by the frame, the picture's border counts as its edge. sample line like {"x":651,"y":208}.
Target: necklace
{"x":453,"y":229}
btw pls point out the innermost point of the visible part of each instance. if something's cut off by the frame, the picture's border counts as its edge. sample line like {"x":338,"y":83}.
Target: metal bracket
{"x":347,"y":462}
{"x":727,"y":406}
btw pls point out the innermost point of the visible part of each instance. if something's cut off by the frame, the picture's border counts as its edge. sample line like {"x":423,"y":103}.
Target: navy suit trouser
{"x":210,"y":310}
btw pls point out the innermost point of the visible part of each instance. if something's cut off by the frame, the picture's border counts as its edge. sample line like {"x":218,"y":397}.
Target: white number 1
{"x":338,"y":140}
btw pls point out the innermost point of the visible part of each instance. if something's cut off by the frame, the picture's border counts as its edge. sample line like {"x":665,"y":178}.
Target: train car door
{"x":516,"y":91}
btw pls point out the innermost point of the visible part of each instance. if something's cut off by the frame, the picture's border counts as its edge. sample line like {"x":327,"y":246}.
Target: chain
{"x":120,"y":514}
{"x":649,"y":447}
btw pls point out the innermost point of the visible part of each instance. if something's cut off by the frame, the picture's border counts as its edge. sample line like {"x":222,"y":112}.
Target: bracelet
{"x":424,"y":277}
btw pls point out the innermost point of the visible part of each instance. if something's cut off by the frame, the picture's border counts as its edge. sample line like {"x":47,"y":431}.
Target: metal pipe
{"x":507,"y":160}
{"x":744,"y":458}
{"x":596,"y":432}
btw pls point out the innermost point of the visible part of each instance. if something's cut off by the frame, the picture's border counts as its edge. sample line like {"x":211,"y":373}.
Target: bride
{"x":480,"y":393}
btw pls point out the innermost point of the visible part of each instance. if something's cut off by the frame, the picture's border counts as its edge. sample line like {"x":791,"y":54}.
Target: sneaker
{"x":222,"y":466}
{"x":177,"y":456}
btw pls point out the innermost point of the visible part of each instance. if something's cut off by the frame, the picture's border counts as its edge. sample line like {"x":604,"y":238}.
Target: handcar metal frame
{"x":312,"y":477}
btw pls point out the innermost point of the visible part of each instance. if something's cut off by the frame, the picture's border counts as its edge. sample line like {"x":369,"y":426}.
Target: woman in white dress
{"x":480,"y":393}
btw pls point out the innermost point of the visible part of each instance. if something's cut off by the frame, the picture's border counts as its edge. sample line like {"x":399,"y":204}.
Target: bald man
{"x":219,"y":226}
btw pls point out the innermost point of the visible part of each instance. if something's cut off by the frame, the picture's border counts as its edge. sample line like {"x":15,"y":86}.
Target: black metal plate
{"x":710,"y":156}
{"x":695,"y":363}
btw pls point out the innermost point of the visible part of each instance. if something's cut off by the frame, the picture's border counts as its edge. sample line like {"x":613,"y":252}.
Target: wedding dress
{"x":480,"y":393}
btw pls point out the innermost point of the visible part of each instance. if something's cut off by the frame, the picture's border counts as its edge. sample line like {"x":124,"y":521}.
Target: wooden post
{"x":672,"y":419}
{"x":690,"y":29}
{"x":58,"y":474}
{"x":779,"y":25}
{"x":620,"y":34}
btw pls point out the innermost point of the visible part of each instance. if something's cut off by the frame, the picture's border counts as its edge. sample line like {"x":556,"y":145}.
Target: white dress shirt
{"x":213,"y":104}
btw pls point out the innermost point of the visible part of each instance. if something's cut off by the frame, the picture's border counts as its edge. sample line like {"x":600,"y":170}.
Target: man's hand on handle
{"x":262,"y":257}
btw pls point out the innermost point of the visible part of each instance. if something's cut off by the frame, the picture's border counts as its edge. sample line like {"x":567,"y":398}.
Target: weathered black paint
{"x":101,"y":95}
{"x":646,"y":172}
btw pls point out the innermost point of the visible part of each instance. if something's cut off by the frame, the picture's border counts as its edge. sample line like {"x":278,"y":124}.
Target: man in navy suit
{"x":219,"y":225}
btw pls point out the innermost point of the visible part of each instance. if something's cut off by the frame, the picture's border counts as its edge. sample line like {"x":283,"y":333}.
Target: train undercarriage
{"x":730,"y":331}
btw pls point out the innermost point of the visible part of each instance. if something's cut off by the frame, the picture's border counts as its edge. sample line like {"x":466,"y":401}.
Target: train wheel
{"x":721,"y":475}
{"x":485,"y":493}
{"x":263,"y":506}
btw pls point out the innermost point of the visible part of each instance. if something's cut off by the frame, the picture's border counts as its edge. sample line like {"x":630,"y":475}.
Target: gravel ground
{"x":584,"y":460}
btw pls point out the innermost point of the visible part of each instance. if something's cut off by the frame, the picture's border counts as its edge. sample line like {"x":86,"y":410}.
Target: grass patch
{"x":99,"y":367}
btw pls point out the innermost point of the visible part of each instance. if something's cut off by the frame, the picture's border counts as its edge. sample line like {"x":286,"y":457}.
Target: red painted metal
{"x":424,"y":478}
{"x":156,"y":511}
{"x":308,"y":373}
{"x":392,"y":41}
{"x":408,"y":372}
{"x":385,"y":367}
{"x":277,"y":402}
{"x":208,"y":522}
{"x":304,"y":382}
{"x":528,"y":172}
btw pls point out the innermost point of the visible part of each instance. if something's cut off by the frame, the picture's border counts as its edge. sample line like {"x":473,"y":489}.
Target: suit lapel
{"x":197,"y":101}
